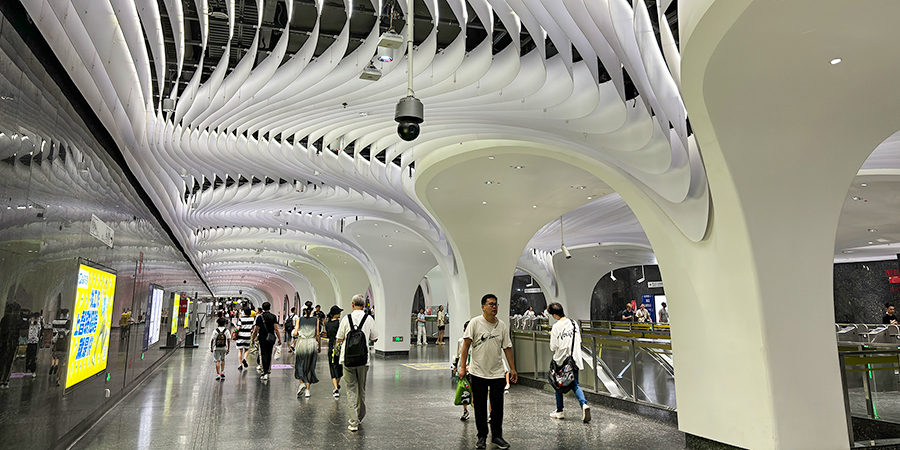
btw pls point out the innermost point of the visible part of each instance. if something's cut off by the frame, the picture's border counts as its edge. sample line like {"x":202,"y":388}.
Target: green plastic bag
{"x":463,"y":393}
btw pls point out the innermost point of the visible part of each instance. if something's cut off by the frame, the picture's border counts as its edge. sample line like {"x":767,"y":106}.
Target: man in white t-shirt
{"x":488,"y":338}
{"x":356,"y":376}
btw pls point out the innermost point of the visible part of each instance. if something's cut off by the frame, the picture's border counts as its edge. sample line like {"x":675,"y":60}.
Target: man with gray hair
{"x":353,"y":336}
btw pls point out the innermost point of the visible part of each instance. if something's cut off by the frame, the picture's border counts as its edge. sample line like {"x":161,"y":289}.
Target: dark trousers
{"x":7,"y":354}
{"x":31,"y":358}
{"x":481,"y":388}
{"x":265,"y":352}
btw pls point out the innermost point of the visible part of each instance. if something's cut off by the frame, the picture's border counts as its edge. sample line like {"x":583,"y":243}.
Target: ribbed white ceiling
{"x":275,"y":143}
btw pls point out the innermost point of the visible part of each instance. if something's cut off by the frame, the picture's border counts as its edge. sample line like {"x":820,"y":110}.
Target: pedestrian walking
{"x":487,"y":337}
{"x":220,"y":345}
{"x":289,"y":324}
{"x":420,"y":327}
{"x":456,"y":362}
{"x":334,"y":357}
{"x":242,"y":337}
{"x":306,"y":330}
{"x":565,"y":341}
{"x":354,"y":335}
{"x":267,"y":334}
{"x":441,"y":319}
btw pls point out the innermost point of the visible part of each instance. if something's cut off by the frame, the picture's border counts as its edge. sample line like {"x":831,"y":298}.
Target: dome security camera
{"x":409,"y":114}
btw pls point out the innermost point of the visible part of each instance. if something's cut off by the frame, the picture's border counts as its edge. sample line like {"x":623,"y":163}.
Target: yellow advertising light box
{"x":175,"y":312}
{"x":89,"y":344}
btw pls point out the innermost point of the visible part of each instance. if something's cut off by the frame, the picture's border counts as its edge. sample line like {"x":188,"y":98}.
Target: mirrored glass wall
{"x":88,"y":276}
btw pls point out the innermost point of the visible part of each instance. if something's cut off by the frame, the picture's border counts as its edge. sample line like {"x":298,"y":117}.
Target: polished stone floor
{"x":410,"y":406}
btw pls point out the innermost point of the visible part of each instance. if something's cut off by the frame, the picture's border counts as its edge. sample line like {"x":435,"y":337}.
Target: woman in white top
{"x":562,"y":345}
{"x":441,"y":317}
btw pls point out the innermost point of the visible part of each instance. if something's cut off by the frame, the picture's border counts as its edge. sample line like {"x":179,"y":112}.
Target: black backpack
{"x":289,"y":323}
{"x":356,"y":346}
{"x":221,"y":340}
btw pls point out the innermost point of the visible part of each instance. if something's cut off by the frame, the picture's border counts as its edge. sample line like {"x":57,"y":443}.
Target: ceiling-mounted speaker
{"x":370,"y":73}
{"x":168,"y":104}
{"x":390,"y":39}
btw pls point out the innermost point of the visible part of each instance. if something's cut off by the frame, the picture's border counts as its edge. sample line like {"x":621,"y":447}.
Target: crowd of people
{"x":642,"y":315}
{"x":484,"y":355}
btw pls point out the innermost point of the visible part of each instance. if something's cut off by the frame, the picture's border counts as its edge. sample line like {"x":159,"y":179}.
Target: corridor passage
{"x":410,"y":406}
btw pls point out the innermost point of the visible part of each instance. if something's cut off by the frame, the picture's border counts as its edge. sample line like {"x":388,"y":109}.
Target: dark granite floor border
{"x":79,"y":430}
{"x":646,"y":410}
{"x":694,"y":442}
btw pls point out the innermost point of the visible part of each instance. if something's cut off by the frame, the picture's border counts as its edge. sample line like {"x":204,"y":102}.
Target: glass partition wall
{"x":67,"y":205}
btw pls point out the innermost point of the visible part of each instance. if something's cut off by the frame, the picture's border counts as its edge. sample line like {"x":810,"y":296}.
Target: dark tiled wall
{"x":609,"y":297}
{"x":519,"y":301}
{"x":862,"y":289}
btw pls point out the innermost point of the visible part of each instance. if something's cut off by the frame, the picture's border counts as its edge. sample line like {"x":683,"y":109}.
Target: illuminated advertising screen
{"x":89,"y":346}
{"x":187,"y":312}
{"x":154,"y":315}
{"x":175,"y":314}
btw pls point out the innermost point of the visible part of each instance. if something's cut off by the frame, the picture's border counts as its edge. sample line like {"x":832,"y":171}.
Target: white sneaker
{"x":585,"y":413}
{"x":352,"y":428}
{"x":557,"y":415}
{"x":301,"y":389}
{"x":307,"y":393}
{"x":264,"y":377}
{"x":336,"y":394}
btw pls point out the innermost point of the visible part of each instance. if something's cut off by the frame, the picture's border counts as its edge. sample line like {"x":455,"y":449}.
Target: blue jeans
{"x":579,"y":394}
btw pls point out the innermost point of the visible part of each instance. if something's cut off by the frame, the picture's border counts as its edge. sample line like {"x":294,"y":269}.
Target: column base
{"x":392,"y":353}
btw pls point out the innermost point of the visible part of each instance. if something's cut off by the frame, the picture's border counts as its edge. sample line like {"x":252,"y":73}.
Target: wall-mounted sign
{"x":89,"y":347}
{"x":654,"y":284}
{"x":101,"y":231}
{"x":398,"y":338}
{"x":534,"y":290}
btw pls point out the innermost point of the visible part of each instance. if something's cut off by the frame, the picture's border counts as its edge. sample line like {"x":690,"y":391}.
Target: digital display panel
{"x":187,"y":312}
{"x":175,"y":314}
{"x":89,"y":344}
{"x":154,"y":315}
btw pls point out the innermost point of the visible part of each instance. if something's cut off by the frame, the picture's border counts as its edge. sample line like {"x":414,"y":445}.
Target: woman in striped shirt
{"x":242,"y":342}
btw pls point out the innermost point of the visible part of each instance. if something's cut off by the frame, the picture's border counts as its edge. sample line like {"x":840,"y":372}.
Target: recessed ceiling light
{"x":595,"y":256}
{"x":488,"y":182}
{"x":436,"y":188}
{"x":396,"y":231}
{"x":484,"y":203}
{"x":363,"y":114}
{"x":390,"y":245}
{"x":423,"y":251}
{"x":490,"y":157}
{"x":856,"y":198}
{"x":518,"y":167}
{"x":579,"y":187}
{"x":534,"y":206}
{"x":835,"y":61}
{"x":863,"y":184}
{"x":590,"y":198}
{"x":384,"y":235}
{"x":872,"y":230}
{"x":870,"y":242}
